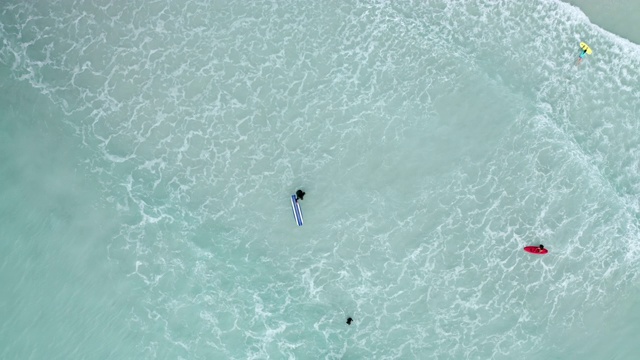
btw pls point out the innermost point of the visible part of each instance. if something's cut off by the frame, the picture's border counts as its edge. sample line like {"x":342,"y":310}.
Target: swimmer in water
{"x":300,"y":194}
{"x":582,"y":56}
{"x":585,"y":51}
{"x":349,"y":321}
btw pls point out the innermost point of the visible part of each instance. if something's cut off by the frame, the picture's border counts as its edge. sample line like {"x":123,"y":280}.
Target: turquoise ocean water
{"x":148,"y":151}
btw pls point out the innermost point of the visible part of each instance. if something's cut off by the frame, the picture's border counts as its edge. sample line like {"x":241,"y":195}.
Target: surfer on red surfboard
{"x":536,"y":249}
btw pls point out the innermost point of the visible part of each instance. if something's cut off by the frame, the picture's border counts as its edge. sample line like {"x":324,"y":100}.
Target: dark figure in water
{"x":349,"y":321}
{"x":300,"y":194}
{"x":541,"y":247}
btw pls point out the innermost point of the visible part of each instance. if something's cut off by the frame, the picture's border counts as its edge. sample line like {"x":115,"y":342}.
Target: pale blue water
{"x":148,"y":152}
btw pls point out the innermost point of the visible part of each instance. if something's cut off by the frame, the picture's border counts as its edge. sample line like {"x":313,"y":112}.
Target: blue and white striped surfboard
{"x":297,"y":212}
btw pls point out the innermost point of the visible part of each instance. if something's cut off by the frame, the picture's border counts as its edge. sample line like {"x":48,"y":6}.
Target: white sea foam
{"x":434,"y":140}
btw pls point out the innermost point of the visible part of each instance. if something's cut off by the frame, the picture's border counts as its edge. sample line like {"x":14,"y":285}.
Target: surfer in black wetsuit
{"x":349,"y":321}
{"x":300,"y":194}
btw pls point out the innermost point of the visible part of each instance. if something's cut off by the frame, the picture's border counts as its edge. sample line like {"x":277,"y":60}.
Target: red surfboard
{"x":535,"y":250}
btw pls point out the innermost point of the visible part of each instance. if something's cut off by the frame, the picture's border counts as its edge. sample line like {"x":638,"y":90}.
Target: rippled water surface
{"x":148,"y":151}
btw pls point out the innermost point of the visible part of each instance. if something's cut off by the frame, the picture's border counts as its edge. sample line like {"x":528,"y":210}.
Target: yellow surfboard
{"x":586,"y":47}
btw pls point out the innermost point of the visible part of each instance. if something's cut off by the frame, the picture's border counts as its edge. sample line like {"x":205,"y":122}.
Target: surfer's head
{"x":541,"y":247}
{"x":300,"y":194}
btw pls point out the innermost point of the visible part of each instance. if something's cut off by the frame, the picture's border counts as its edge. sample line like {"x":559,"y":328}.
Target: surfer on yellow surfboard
{"x":586,"y":50}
